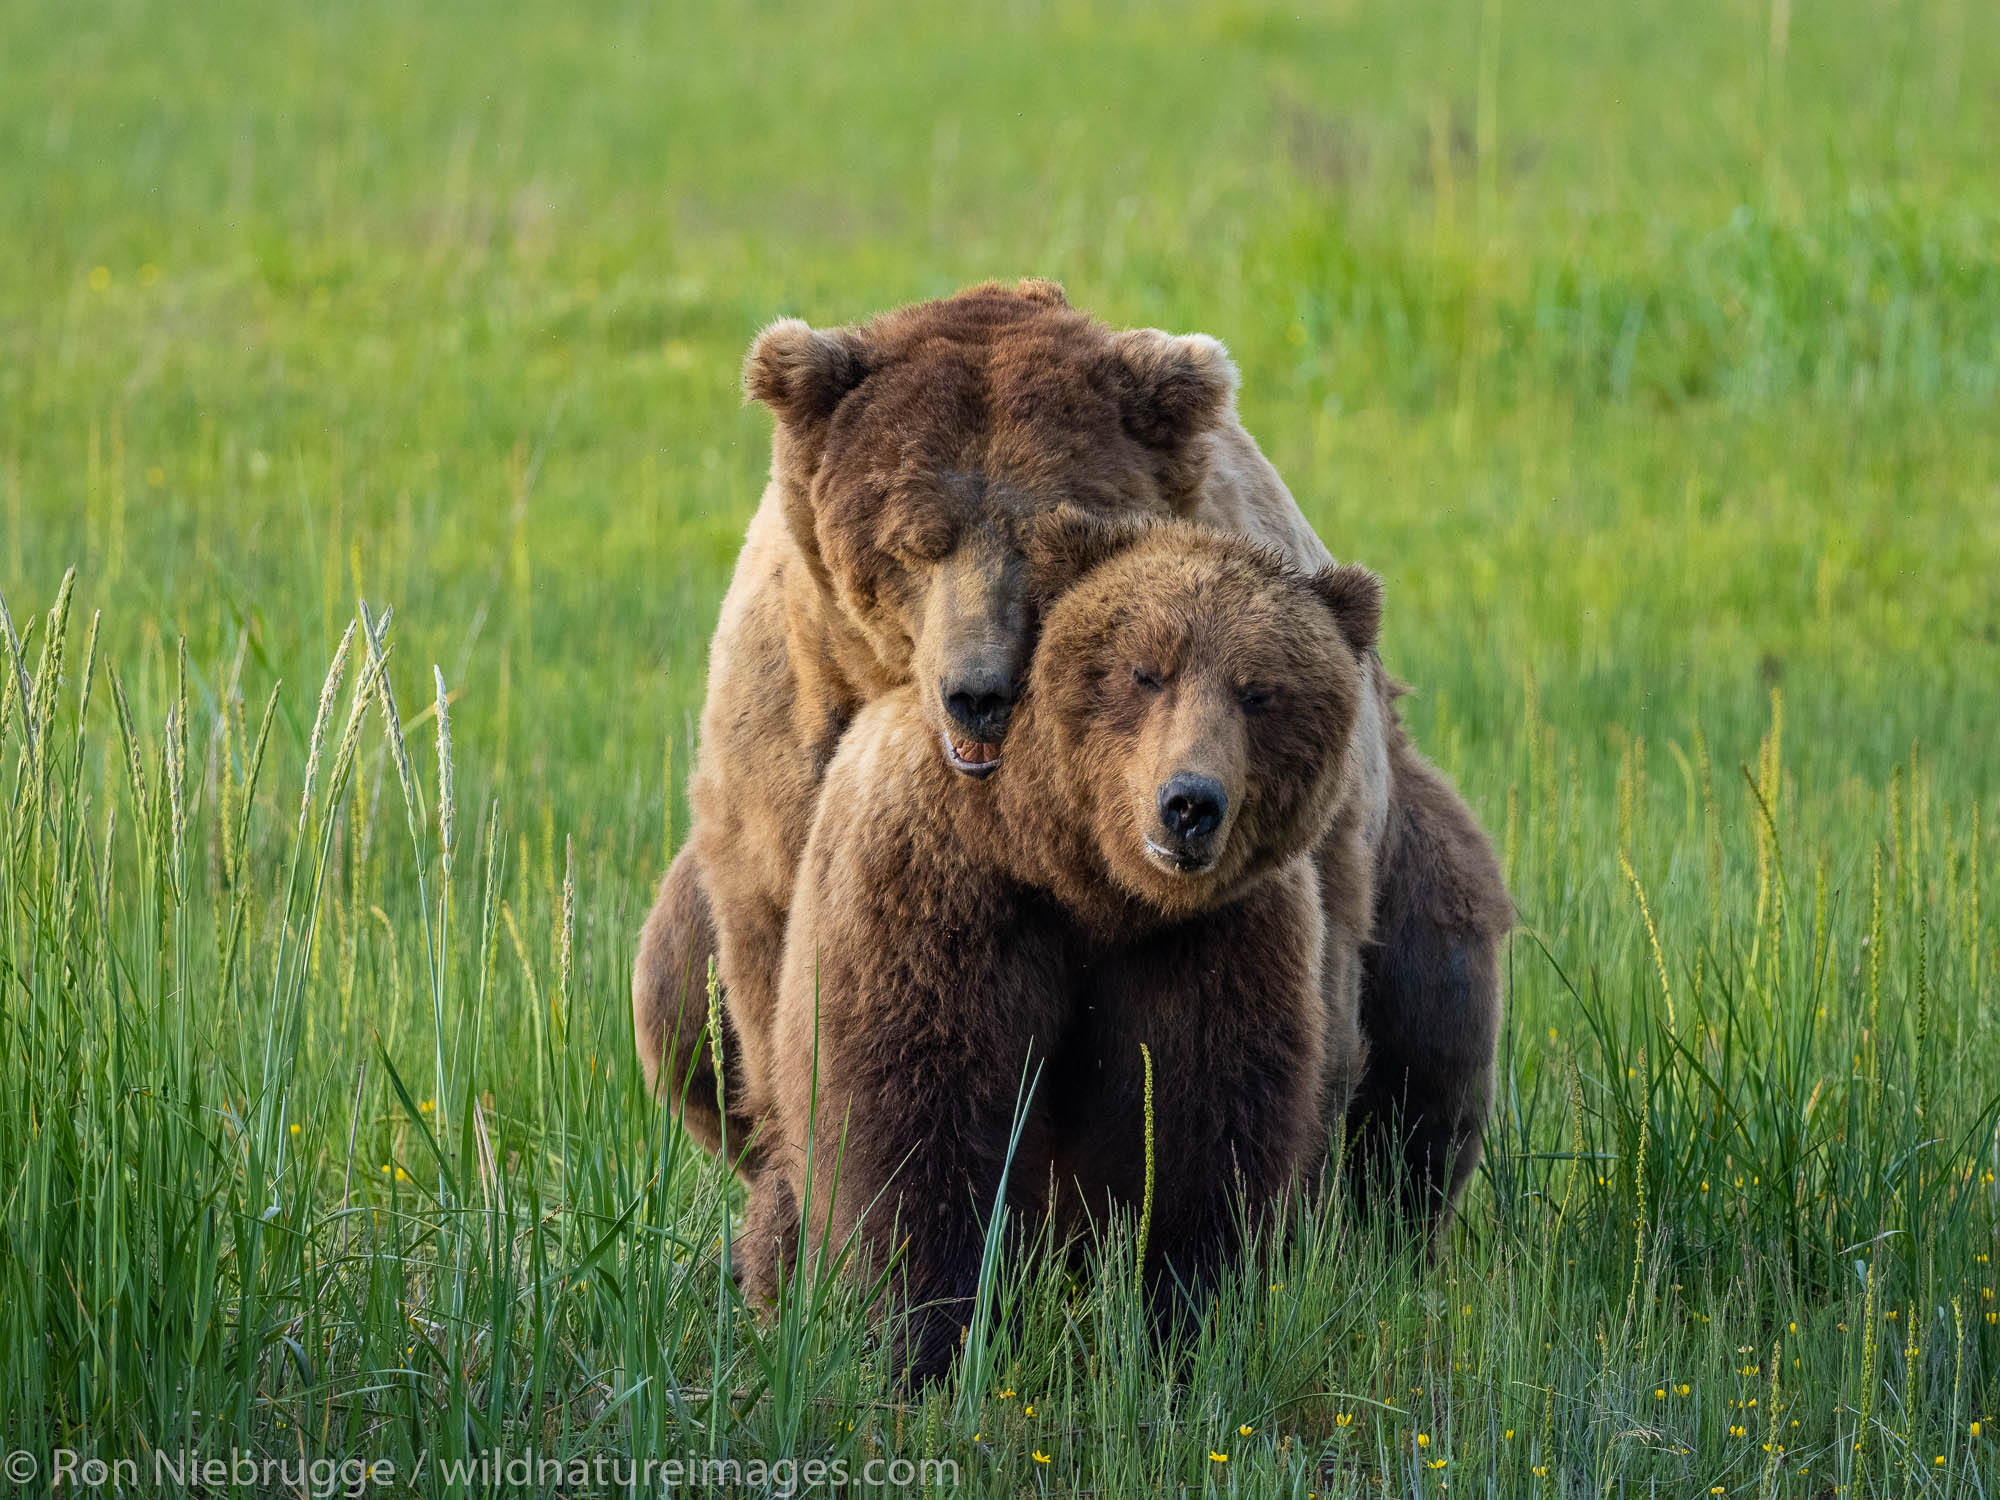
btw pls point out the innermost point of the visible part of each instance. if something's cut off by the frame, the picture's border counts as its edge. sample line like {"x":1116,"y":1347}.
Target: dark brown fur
{"x":909,"y":456}
{"x":1430,"y":995}
{"x":910,"y":459}
{"x":949,"y":938}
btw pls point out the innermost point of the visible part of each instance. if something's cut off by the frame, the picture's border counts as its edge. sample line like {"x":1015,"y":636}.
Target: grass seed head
{"x":329,"y":693}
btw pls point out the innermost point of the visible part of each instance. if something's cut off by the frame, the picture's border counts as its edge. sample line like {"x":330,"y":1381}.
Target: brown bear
{"x":1138,"y":870}
{"x":909,"y":457}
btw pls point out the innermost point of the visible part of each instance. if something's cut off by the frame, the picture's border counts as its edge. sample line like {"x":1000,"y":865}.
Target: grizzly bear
{"x":1138,"y":871}
{"x":909,"y":458}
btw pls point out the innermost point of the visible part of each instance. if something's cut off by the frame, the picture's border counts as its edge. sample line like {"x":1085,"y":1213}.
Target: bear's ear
{"x":1171,"y":387}
{"x":1355,"y":596}
{"x":801,"y":373}
{"x":1067,"y":543}
{"x":1040,"y":289}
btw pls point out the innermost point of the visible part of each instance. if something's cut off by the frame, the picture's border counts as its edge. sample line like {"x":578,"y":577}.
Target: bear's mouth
{"x":1180,"y":861}
{"x":972,"y":758}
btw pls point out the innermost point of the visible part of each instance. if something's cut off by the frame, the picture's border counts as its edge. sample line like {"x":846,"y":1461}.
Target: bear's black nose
{"x":1192,"y":806}
{"x":981,"y":701}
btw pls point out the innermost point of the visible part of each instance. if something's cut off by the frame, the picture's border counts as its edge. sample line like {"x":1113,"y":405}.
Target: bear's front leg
{"x":1229,"y":1006}
{"x":920,"y":994}
{"x":923,"y":1066}
{"x":767,"y":1248}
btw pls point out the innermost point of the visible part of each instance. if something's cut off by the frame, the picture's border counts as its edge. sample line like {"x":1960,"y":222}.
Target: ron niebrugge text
{"x":352,"y":1478}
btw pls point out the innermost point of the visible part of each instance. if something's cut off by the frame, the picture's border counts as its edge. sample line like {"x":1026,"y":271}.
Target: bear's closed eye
{"x":917,"y":544}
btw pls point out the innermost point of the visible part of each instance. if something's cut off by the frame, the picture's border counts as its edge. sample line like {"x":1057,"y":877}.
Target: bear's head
{"x":915,"y":452}
{"x":1191,"y":702}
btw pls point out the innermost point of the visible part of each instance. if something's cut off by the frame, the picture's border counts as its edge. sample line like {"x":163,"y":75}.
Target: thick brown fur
{"x":910,"y":459}
{"x":1430,"y":994}
{"x":678,"y":1029}
{"x":950,"y":938}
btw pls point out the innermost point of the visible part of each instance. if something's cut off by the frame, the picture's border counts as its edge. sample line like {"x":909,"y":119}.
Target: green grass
{"x":1651,"y":354}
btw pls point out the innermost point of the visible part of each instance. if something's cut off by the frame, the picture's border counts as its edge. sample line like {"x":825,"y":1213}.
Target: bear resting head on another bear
{"x":1137,"y":872}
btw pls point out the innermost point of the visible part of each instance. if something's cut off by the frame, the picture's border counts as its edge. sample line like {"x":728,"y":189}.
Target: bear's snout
{"x":1191,"y":809}
{"x":980,"y":701}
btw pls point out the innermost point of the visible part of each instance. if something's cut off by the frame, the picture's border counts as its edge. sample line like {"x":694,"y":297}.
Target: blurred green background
{"x":1651,"y":347}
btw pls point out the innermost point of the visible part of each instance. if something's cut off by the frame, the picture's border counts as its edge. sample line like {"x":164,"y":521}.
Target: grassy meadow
{"x":374,"y":369}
